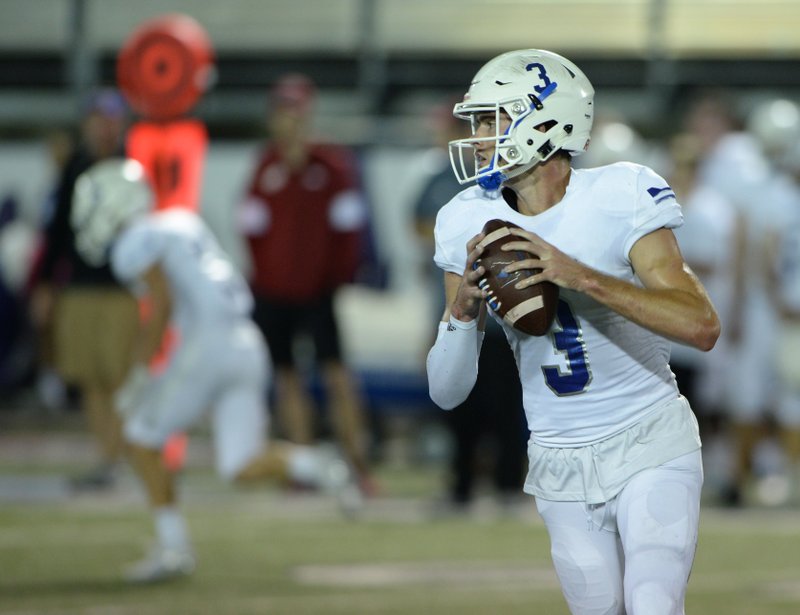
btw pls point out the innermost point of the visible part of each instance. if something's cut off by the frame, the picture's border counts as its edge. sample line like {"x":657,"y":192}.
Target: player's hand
{"x":131,"y":395}
{"x":470,"y":297}
{"x":555,"y":266}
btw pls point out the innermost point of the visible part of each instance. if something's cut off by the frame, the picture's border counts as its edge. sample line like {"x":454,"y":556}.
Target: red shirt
{"x":303,"y":227}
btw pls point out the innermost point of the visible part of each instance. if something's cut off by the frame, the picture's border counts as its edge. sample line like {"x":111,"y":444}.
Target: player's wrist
{"x":590,"y":283}
{"x":457,"y":313}
{"x":464,"y":325}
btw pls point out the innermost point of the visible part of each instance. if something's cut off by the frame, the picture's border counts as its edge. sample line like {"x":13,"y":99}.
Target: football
{"x":530,"y":310}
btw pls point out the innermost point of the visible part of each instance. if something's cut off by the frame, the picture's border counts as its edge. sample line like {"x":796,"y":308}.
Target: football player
{"x":775,"y":123}
{"x":220,"y":361}
{"x":733,"y":162}
{"x":614,"y":453}
{"x":710,"y":240}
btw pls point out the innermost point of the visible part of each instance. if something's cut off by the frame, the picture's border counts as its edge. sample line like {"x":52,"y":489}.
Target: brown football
{"x":530,"y":310}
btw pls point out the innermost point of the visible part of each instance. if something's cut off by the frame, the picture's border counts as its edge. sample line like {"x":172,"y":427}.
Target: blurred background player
{"x":91,"y":318}
{"x":775,"y":123}
{"x":304,"y":218}
{"x":710,"y":240}
{"x":733,"y":163}
{"x":173,"y":257}
{"x":614,"y":140}
{"x":488,"y":430}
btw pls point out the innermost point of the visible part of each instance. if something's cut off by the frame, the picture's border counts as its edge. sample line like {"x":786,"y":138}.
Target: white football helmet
{"x":615,"y":141}
{"x":534,"y":88}
{"x":776,"y":125}
{"x":106,"y":197}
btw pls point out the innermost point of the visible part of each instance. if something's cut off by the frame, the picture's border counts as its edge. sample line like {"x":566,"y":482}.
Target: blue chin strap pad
{"x":492,"y":181}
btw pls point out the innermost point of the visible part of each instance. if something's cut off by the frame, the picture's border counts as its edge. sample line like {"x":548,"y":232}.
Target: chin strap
{"x":492,"y":182}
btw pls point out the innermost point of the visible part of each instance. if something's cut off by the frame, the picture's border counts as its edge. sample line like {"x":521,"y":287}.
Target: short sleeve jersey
{"x":595,"y":373}
{"x":205,"y":286}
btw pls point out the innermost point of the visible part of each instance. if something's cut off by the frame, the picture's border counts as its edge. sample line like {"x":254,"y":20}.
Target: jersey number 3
{"x":568,"y":340}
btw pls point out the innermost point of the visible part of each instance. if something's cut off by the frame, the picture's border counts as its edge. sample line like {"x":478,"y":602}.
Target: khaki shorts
{"x":94,"y":332}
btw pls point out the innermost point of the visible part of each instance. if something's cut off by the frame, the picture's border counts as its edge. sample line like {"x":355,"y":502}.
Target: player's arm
{"x":464,"y":300}
{"x":672,"y":302}
{"x":154,"y":326}
{"x":452,"y":363}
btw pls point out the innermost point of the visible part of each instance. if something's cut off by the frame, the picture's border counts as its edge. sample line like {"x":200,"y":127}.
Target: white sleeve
{"x":655,"y":207}
{"x":452,"y":363}
{"x":135,"y":251}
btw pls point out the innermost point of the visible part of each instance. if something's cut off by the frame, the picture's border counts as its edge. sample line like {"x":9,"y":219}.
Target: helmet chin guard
{"x":549,"y":102}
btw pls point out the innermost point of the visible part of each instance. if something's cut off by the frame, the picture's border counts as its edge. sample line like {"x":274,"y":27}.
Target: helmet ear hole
{"x":546,"y":149}
{"x":545,"y":126}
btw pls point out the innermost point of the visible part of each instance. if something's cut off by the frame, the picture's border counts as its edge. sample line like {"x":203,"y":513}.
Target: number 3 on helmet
{"x":535,"y":88}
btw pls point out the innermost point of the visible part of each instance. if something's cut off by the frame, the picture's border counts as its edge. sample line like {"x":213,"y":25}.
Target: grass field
{"x":263,"y":551}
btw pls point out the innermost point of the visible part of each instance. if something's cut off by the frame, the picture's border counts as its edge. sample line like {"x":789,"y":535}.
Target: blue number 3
{"x":542,"y":75}
{"x":569,"y":341}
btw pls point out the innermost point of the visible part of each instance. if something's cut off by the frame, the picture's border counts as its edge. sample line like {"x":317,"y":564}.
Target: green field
{"x":266,"y":551}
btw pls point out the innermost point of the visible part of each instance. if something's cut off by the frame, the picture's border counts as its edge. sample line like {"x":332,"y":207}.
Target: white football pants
{"x":631,"y":555}
{"x":224,"y":369}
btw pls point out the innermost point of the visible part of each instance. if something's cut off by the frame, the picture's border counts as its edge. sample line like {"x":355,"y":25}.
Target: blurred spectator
{"x":51,"y":391}
{"x":488,"y":430}
{"x":304,"y":219}
{"x":17,"y":243}
{"x":91,"y":317}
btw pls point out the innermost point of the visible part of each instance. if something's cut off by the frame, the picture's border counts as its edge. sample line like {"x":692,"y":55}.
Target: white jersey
{"x":206,"y":287}
{"x":595,"y":373}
